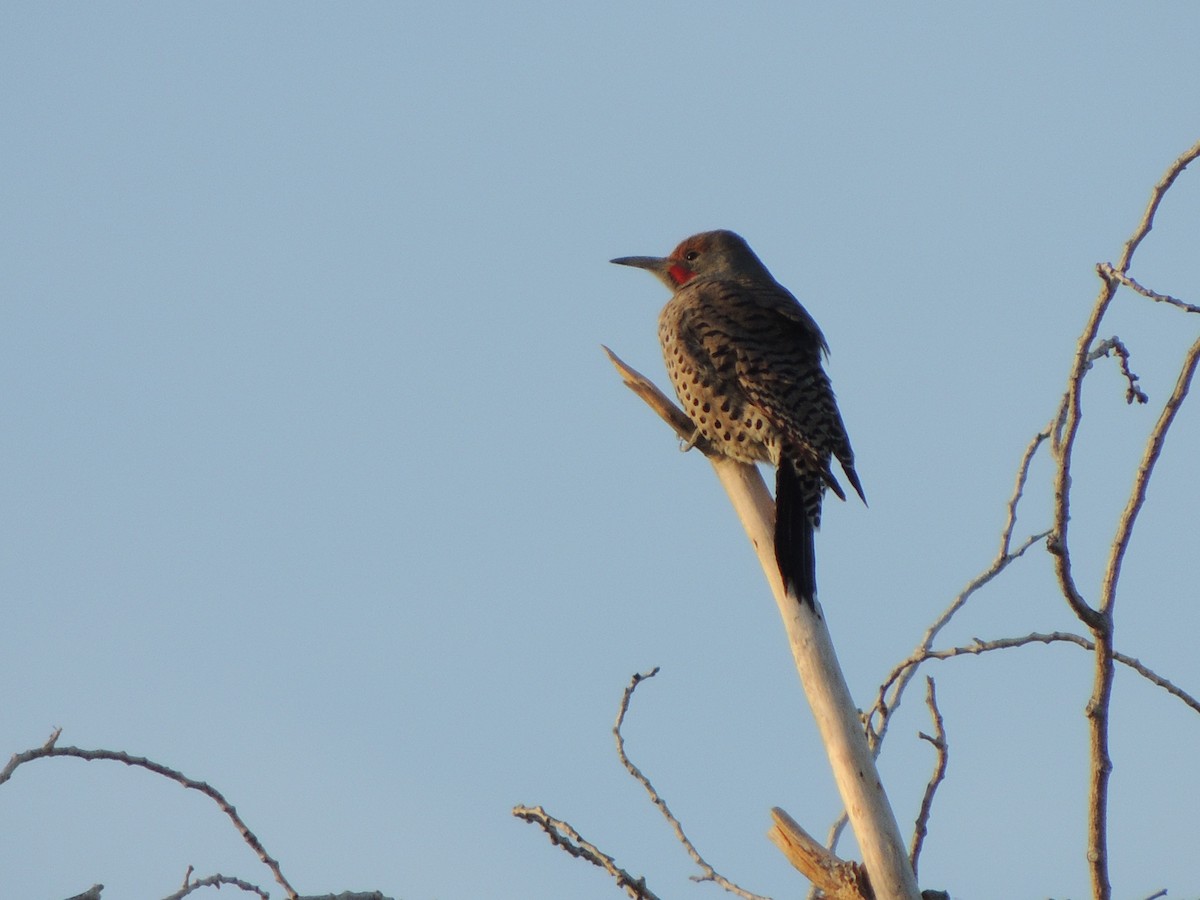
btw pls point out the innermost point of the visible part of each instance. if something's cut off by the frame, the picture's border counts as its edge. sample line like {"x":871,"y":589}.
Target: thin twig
{"x":1116,"y":347}
{"x":49,"y":749}
{"x":876,"y":720}
{"x":1019,"y":491}
{"x":1137,"y":497}
{"x":563,"y":835}
{"x":940,"y":744}
{"x":1156,"y":195}
{"x":216,"y":881}
{"x":1070,"y":413}
{"x":1132,"y":283}
{"x":708,"y":872}
{"x":885,"y":706}
{"x":978,"y":647}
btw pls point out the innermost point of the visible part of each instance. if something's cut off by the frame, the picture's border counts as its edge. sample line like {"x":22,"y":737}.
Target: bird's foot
{"x":690,"y":442}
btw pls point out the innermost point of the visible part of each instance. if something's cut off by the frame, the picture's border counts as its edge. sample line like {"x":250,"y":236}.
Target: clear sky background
{"x":316,"y":484}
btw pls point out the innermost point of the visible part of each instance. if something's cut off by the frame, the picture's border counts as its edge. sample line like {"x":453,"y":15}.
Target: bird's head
{"x":710,"y":254}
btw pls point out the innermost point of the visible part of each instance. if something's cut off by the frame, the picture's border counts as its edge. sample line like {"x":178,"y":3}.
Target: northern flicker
{"x":745,"y":359}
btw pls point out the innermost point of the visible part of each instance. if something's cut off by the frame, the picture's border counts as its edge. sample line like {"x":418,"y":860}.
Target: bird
{"x":745,"y":359}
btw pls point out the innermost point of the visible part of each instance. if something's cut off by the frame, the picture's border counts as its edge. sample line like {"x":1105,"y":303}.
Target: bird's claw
{"x":690,"y":442}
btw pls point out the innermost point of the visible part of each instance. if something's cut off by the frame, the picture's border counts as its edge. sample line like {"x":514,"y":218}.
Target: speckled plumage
{"x":745,"y":360}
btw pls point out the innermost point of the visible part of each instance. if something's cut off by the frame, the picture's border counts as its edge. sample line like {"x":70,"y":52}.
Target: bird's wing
{"x":776,"y":348}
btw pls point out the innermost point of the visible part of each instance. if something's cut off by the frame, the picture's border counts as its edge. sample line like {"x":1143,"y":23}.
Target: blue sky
{"x":319,"y":487}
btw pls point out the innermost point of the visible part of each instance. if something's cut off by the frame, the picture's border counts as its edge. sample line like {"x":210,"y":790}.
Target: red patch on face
{"x":681,"y":275}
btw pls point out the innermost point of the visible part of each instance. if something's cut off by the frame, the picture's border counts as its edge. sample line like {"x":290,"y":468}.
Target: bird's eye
{"x":692,"y":255}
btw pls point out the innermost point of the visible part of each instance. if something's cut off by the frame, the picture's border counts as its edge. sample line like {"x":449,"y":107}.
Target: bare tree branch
{"x":832,"y":878}
{"x":708,"y":872}
{"x":659,"y":402}
{"x":1019,"y":492}
{"x":563,"y":835}
{"x":49,"y":749}
{"x":1116,"y":347}
{"x":885,"y":706}
{"x":1137,"y":497}
{"x":877,"y":717}
{"x":1100,"y":702}
{"x":217,"y":881}
{"x":1096,"y":615}
{"x":834,"y":710}
{"x":979,"y":647}
{"x":940,"y":744}
{"x":1130,"y":282}
{"x":1100,"y":620}
{"x":1063,"y":444}
{"x":1156,"y":195}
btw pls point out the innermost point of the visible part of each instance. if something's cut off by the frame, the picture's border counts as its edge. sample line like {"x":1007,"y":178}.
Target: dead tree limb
{"x":942,"y":746}
{"x":562,"y":835}
{"x":190,"y":885}
{"x":978,"y":647}
{"x":837,"y":717}
{"x":49,"y":749}
{"x":1099,"y":617}
{"x":835,"y":878}
{"x":708,"y":873}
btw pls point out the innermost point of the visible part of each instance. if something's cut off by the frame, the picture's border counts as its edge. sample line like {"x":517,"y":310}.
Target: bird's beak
{"x":656,"y":264}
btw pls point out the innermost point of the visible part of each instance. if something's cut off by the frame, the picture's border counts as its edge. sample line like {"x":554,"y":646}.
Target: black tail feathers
{"x":795,"y":537}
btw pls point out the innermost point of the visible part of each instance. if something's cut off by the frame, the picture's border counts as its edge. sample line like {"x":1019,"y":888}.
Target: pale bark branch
{"x":1061,"y":434}
{"x":1063,"y":444}
{"x":49,"y":749}
{"x":942,"y":746}
{"x":1156,"y":195}
{"x":218,"y":881}
{"x":1137,"y":497}
{"x":1132,"y":283}
{"x":1115,"y":346}
{"x":562,"y":835}
{"x":1018,"y":492}
{"x":659,"y":402}
{"x":833,"y":708}
{"x":885,"y":706}
{"x":835,"y":878}
{"x":978,"y":647}
{"x":878,"y":717}
{"x":1099,"y":619}
{"x":708,"y":873}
